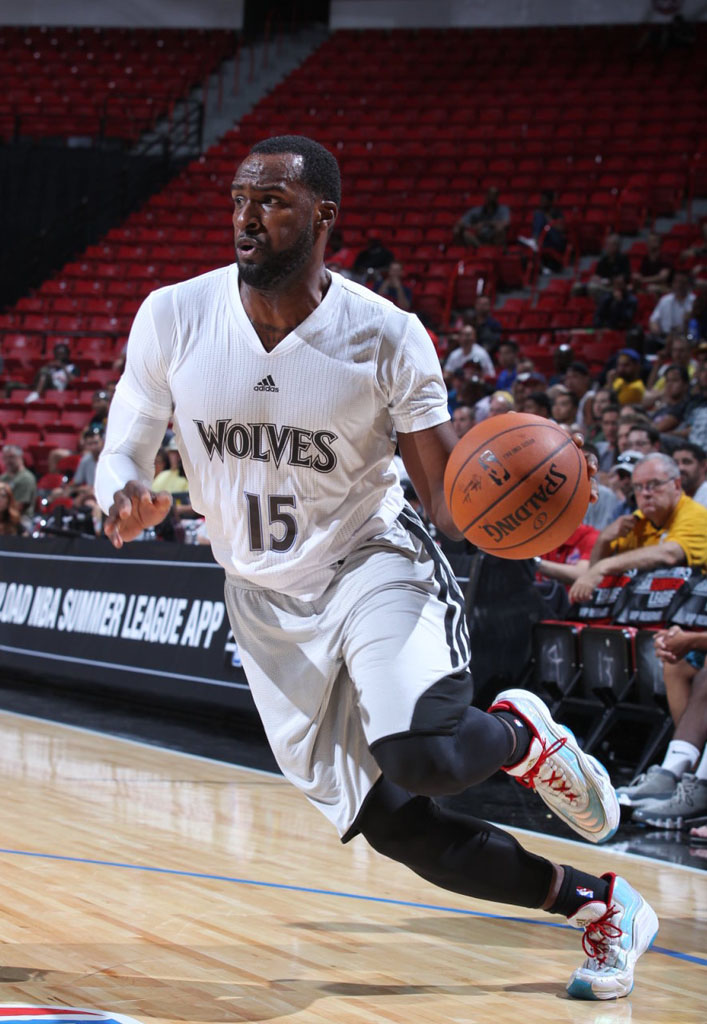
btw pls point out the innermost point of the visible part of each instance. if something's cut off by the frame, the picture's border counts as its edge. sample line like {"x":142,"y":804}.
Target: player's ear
{"x":327,"y":212}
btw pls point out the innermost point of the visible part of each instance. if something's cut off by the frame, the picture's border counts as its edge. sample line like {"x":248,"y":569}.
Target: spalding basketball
{"x":517,"y":485}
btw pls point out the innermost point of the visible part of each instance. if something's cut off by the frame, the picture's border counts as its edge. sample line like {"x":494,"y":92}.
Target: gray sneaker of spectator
{"x":688,"y":803}
{"x":655,"y":784}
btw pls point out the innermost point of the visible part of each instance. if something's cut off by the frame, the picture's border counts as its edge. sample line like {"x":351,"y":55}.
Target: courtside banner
{"x":150,"y":617}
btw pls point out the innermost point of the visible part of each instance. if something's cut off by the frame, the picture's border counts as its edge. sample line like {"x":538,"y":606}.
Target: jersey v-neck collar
{"x":316,"y":320}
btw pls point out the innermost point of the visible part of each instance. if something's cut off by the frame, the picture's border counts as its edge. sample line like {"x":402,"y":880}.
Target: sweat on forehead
{"x":282,"y":165}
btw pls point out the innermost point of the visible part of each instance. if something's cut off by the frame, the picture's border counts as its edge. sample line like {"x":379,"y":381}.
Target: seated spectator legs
{"x":671,"y":793}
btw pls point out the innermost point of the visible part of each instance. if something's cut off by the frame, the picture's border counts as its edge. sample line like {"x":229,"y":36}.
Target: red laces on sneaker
{"x":528,"y":779}
{"x":599,"y":934}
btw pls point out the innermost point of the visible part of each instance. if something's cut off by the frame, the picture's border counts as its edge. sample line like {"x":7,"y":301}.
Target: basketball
{"x":516,"y":485}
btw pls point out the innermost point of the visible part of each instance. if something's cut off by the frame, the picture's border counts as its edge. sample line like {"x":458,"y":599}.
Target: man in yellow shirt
{"x":628,"y":384}
{"x":667,"y":529}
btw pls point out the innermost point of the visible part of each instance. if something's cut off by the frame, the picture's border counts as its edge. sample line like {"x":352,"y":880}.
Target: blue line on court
{"x":702,"y":961}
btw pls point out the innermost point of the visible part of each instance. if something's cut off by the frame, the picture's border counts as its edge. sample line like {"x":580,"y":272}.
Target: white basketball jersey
{"x":288,"y":453}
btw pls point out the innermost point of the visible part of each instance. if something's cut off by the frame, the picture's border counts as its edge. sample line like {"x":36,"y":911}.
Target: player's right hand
{"x":135,"y":508}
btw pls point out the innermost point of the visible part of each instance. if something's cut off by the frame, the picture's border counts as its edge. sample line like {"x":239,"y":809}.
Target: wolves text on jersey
{"x":263,"y":442}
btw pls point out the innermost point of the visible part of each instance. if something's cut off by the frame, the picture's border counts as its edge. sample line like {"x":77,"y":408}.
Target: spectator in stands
{"x":462,"y":419}
{"x":627,"y":381}
{"x":578,"y":381}
{"x":673,"y":310}
{"x":562,"y":356}
{"x":488,"y":329}
{"x":606,"y":508}
{"x":84,"y":478}
{"x":623,"y":431}
{"x":666,"y":794}
{"x":568,"y":561}
{"x":538,"y":404}
{"x":10,"y":515}
{"x":607,"y":447}
{"x":468,"y":350}
{"x":692,"y":462}
{"x":668,"y":528}
{"x":339,"y":257}
{"x":697,"y":322}
{"x":507,"y":360}
{"x":392,"y":286}
{"x":100,"y":404}
{"x":173,"y":479}
{"x":21,"y":481}
{"x":600,"y":399}
{"x":621,"y":484}
{"x":372,"y":260}
{"x":161,"y":461}
{"x":493,"y":403}
{"x":695,"y":420}
{"x":611,"y":264}
{"x":668,"y":412}
{"x":548,"y":232}
{"x":654,"y":272}
{"x":564,"y":408}
{"x":499,"y":403}
{"x":526,"y":383}
{"x":676,"y":351}
{"x":644,"y":438}
{"x":485,"y":224}
{"x":58,"y":374}
{"x":617,"y":308}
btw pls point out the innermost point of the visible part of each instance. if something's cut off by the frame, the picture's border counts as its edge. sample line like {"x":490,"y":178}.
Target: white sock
{"x":680,"y":757}
{"x":701,"y":769}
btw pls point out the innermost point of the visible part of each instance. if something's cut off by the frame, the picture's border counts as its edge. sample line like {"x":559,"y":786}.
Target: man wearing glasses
{"x":667,"y":529}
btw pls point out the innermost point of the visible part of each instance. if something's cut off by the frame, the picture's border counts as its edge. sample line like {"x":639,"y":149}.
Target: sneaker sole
{"x":583,"y":986}
{"x":593,"y":772}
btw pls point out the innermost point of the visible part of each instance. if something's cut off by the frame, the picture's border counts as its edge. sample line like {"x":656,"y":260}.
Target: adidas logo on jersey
{"x":266,"y":384}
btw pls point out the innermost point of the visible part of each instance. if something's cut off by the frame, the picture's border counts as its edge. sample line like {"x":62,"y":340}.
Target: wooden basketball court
{"x":174,"y":889}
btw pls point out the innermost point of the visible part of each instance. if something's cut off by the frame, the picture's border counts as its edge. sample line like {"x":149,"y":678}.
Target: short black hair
{"x":541,"y":399}
{"x":684,"y":375}
{"x":689,"y":446}
{"x":579,"y":367}
{"x":648,"y":429}
{"x":320,"y":171}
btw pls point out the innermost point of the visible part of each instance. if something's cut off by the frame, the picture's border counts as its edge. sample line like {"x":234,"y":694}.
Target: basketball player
{"x":288,"y":386}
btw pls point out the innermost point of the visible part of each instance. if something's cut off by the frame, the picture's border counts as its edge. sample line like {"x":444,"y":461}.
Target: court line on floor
{"x":276,"y":775}
{"x":283,"y":886}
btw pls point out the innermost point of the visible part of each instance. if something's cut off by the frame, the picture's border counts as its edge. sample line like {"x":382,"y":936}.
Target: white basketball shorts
{"x":383,"y":651}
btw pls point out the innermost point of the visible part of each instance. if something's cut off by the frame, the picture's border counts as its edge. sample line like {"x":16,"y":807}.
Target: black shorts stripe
{"x":449,"y":593}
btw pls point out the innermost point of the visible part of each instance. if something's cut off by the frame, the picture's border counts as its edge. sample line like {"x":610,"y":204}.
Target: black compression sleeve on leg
{"x":455,"y":851}
{"x":441,"y":763}
{"x":521,"y":733}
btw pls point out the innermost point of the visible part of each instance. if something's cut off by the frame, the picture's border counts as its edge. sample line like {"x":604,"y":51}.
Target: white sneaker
{"x":616,"y":933}
{"x":573,"y":785}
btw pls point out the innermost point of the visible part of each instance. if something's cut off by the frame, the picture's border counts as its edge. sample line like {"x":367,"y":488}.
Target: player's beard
{"x":276,"y":268}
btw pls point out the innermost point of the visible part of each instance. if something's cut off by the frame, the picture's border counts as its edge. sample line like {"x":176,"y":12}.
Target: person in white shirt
{"x":692,"y":463}
{"x":289,"y":386}
{"x":469,"y":351}
{"x":672,"y":309}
